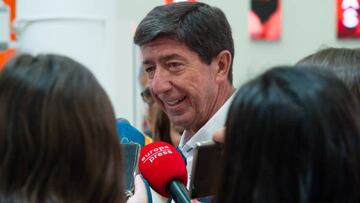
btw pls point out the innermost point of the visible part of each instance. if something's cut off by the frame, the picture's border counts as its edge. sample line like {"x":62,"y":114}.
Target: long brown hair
{"x":58,"y":140}
{"x":344,"y":62}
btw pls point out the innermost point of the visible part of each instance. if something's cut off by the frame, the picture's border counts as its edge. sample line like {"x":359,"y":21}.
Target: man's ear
{"x":223,"y":60}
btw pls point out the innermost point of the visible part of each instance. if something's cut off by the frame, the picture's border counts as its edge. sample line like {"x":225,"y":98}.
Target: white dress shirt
{"x":187,"y":145}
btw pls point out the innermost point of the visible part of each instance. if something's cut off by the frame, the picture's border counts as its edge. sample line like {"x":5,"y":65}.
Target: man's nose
{"x":161,"y":82}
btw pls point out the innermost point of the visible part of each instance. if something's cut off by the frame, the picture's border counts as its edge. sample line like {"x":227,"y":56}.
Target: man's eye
{"x":150,"y":71}
{"x":174,"y":66}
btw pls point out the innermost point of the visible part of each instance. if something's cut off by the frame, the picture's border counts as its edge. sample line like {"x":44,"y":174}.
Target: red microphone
{"x":165,"y":170}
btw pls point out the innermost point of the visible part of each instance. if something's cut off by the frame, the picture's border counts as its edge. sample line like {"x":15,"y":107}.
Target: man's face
{"x":183,"y":85}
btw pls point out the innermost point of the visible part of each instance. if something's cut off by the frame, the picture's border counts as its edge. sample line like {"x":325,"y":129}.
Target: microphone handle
{"x":178,"y":192}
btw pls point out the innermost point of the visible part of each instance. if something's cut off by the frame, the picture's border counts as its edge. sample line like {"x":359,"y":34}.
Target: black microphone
{"x":178,"y":192}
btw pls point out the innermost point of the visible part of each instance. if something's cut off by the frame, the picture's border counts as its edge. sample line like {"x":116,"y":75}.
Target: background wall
{"x":99,"y":34}
{"x":307,"y":25}
{"x":90,"y":32}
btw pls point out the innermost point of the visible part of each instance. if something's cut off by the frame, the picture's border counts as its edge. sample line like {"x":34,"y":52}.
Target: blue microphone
{"x":128,"y":133}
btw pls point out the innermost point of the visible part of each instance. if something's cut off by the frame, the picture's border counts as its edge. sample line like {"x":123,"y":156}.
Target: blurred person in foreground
{"x":343,"y":62}
{"x":292,"y":136}
{"x":58,"y":141}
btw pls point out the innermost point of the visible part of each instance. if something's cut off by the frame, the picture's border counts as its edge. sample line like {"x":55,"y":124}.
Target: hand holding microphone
{"x":140,"y":194}
{"x":165,"y":170}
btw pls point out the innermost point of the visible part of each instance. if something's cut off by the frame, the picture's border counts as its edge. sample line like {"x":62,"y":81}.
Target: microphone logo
{"x":160,"y":164}
{"x":155,"y":153}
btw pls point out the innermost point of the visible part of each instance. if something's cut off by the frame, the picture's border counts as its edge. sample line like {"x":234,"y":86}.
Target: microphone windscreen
{"x":122,"y":120}
{"x":161,"y":163}
{"x":128,"y":133}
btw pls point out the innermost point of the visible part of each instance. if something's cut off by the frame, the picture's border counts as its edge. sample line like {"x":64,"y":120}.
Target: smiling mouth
{"x":175,"y":102}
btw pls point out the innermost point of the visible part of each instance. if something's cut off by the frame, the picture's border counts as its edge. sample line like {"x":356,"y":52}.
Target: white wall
{"x":92,"y":33}
{"x":104,"y":41}
{"x":307,"y":26}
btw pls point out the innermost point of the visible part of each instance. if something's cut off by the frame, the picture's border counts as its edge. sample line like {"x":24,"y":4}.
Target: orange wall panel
{"x":7,"y":54}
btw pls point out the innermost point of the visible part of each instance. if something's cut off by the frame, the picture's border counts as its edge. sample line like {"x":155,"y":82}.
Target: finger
{"x":139,"y":184}
{"x":219,"y":135}
{"x":140,"y":193}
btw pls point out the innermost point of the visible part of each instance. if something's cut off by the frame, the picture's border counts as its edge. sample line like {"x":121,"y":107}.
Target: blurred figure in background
{"x":158,"y":122}
{"x":128,"y":133}
{"x":165,"y":131}
{"x":150,"y":110}
{"x":292,"y":136}
{"x":58,"y":141}
{"x":344,"y":62}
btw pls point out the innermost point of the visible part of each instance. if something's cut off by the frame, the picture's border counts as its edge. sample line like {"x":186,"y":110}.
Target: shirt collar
{"x":205,"y":132}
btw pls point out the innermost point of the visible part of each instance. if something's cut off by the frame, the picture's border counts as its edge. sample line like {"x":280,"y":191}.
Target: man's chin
{"x":182,"y":123}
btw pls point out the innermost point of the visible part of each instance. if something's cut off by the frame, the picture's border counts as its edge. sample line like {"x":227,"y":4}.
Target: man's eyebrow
{"x":146,"y":62}
{"x":166,"y":58}
{"x":172,"y":56}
